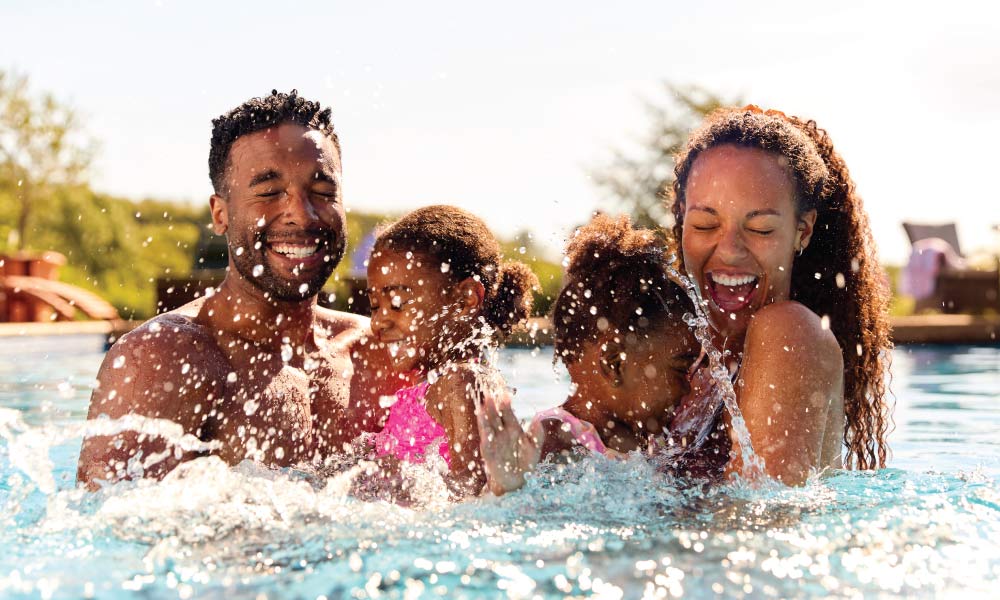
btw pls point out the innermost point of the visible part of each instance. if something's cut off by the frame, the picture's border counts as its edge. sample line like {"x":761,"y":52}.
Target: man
{"x":256,"y":370}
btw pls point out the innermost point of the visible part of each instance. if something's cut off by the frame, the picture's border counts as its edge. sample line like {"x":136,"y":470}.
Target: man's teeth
{"x":732,"y":280}
{"x":294,"y":250}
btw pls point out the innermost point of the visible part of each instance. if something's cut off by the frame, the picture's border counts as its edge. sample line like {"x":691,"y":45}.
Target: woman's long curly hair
{"x":837,"y":275}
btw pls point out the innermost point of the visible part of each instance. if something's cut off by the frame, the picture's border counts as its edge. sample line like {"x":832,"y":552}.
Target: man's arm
{"x":158,"y":371}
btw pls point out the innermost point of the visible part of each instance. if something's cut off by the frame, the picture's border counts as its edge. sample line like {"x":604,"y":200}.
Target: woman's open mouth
{"x":732,"y":292}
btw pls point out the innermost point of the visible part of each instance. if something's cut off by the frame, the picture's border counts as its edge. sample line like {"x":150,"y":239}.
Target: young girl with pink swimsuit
{"x":441,"y":297}
{"x":619,"y":329}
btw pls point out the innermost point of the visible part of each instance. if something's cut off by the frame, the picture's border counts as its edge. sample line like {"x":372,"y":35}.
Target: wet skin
{"x":258,"y":367}
{"x":625,"y":384}
{"x":425,"y":315}
{"x":741,"y":224}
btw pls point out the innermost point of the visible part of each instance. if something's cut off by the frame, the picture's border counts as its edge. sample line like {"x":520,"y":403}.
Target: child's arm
{"x":455,"y":396}
{"x":508,"y":451}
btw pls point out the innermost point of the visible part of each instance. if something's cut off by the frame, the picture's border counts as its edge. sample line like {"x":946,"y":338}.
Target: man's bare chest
{"x":268,"y":405}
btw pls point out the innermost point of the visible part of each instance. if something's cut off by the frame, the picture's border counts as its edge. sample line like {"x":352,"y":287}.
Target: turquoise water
{"x":927,"y":526}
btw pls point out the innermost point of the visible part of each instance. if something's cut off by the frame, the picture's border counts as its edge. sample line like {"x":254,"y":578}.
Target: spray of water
{"x":753,"y":465}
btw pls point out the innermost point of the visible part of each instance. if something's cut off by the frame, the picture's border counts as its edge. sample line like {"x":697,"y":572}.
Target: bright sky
{"x":502,"y":107}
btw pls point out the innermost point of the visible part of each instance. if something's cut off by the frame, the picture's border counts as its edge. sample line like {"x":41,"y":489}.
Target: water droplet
{"x":119,"y":362}
{"x":824,"y":322}
{"x":231,"y":378}
{"x":185,"y":369}
{"x":261,"y":222}
{"x":445,"y":267}
{"x":384,"y":269}
{"x":286,"y":353}
{"x":304,"y":288}
{"x":841,"y":281}
{"x":257,"y":270}
{"x":239,"y":251}
{"x":593,"y":310}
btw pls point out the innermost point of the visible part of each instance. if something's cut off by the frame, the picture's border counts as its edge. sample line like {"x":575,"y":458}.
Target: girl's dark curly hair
{"x":838,"y":274}
{"x":616,"y":279}
{"x":448,"y":234}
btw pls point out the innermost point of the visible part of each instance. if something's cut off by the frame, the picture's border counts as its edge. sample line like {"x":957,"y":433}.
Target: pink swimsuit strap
{"x":410,"y":430}
{"x":583,"y":432}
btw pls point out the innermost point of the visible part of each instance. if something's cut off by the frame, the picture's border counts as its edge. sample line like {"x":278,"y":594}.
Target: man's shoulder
{"x":171,"y":330}
{"x":348,"y":328}
{"x":178,"y":336}
{"x":338,"y":320}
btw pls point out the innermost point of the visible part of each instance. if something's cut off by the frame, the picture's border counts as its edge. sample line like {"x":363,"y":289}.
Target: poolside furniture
{"x":30,"y":292}
{"x":954,"y":287}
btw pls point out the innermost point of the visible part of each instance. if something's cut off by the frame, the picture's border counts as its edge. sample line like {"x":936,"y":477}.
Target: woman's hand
{"x":508,"y":451}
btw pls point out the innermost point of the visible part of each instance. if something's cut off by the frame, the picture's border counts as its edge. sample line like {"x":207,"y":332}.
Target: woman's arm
{"x":790,"y":391}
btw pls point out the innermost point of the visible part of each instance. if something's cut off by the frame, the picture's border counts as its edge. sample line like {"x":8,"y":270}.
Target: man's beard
{"x":252,"y":264}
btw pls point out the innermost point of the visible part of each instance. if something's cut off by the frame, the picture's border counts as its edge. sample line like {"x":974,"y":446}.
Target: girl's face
{"x":741,"y":233}
{"x":415,"y":308}
{"x":639,"y":377}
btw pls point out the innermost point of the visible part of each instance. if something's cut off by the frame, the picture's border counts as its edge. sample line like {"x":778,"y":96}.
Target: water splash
{"x":753,"y":465}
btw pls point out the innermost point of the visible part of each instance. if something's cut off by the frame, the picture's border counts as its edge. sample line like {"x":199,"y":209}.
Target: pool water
{"x":927,"y":526}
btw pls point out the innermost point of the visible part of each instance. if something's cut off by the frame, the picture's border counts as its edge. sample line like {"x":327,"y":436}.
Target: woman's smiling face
{"x":741,"y":231}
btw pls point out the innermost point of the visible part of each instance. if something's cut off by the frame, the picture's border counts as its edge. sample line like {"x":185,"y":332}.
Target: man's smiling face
{"x":283,"y":213}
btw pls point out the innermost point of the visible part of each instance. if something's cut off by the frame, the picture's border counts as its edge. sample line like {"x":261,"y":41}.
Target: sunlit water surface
{"x":928,"y":526}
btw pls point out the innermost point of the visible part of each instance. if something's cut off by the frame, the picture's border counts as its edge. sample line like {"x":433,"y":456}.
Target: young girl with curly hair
{"x":619,"y":328}
{"x":441,"y":297}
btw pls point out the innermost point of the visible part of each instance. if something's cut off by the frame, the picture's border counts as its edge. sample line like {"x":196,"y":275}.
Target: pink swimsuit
{"x":581,"y":431}
{"x":410,"y":430}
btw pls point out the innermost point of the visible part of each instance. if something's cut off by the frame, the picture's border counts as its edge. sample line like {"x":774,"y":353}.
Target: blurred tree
{"x":41,"y":146}
{"x":635,"y":181}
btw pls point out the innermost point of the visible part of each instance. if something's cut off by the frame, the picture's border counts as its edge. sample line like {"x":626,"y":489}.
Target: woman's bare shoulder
{"x":795,"y":327}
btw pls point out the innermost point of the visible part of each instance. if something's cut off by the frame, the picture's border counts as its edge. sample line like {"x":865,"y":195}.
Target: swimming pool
{"x":929,"y":525}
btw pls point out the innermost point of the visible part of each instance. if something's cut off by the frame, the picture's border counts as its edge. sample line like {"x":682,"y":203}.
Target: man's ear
{"x":472,"y":294}
{"x":220,"y":213}
{"x":612,"y":360}
{"x":807,"y":221}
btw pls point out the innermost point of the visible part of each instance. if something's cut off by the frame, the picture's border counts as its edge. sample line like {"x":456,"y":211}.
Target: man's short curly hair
{"x":257,"y":114}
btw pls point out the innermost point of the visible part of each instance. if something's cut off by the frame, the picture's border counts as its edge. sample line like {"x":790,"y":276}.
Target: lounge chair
{"x":955,"y":287}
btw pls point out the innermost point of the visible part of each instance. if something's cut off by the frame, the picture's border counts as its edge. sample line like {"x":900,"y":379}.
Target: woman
{"x":768,"y":225}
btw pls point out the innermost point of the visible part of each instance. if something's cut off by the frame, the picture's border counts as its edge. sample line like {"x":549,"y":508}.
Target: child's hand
{"x":508,"y":452}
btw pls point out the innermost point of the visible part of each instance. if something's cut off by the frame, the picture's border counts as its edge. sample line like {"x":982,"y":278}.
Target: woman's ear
{"x":472,"y":294}
{"x":807,"y":221}
{"x":612,"y":360}
{"x":220,"y":214}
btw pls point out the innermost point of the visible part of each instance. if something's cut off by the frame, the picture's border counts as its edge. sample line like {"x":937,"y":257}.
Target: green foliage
{"x":42,"y":148}
{"x":637,"y":180}
{"x":117,"y":247}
